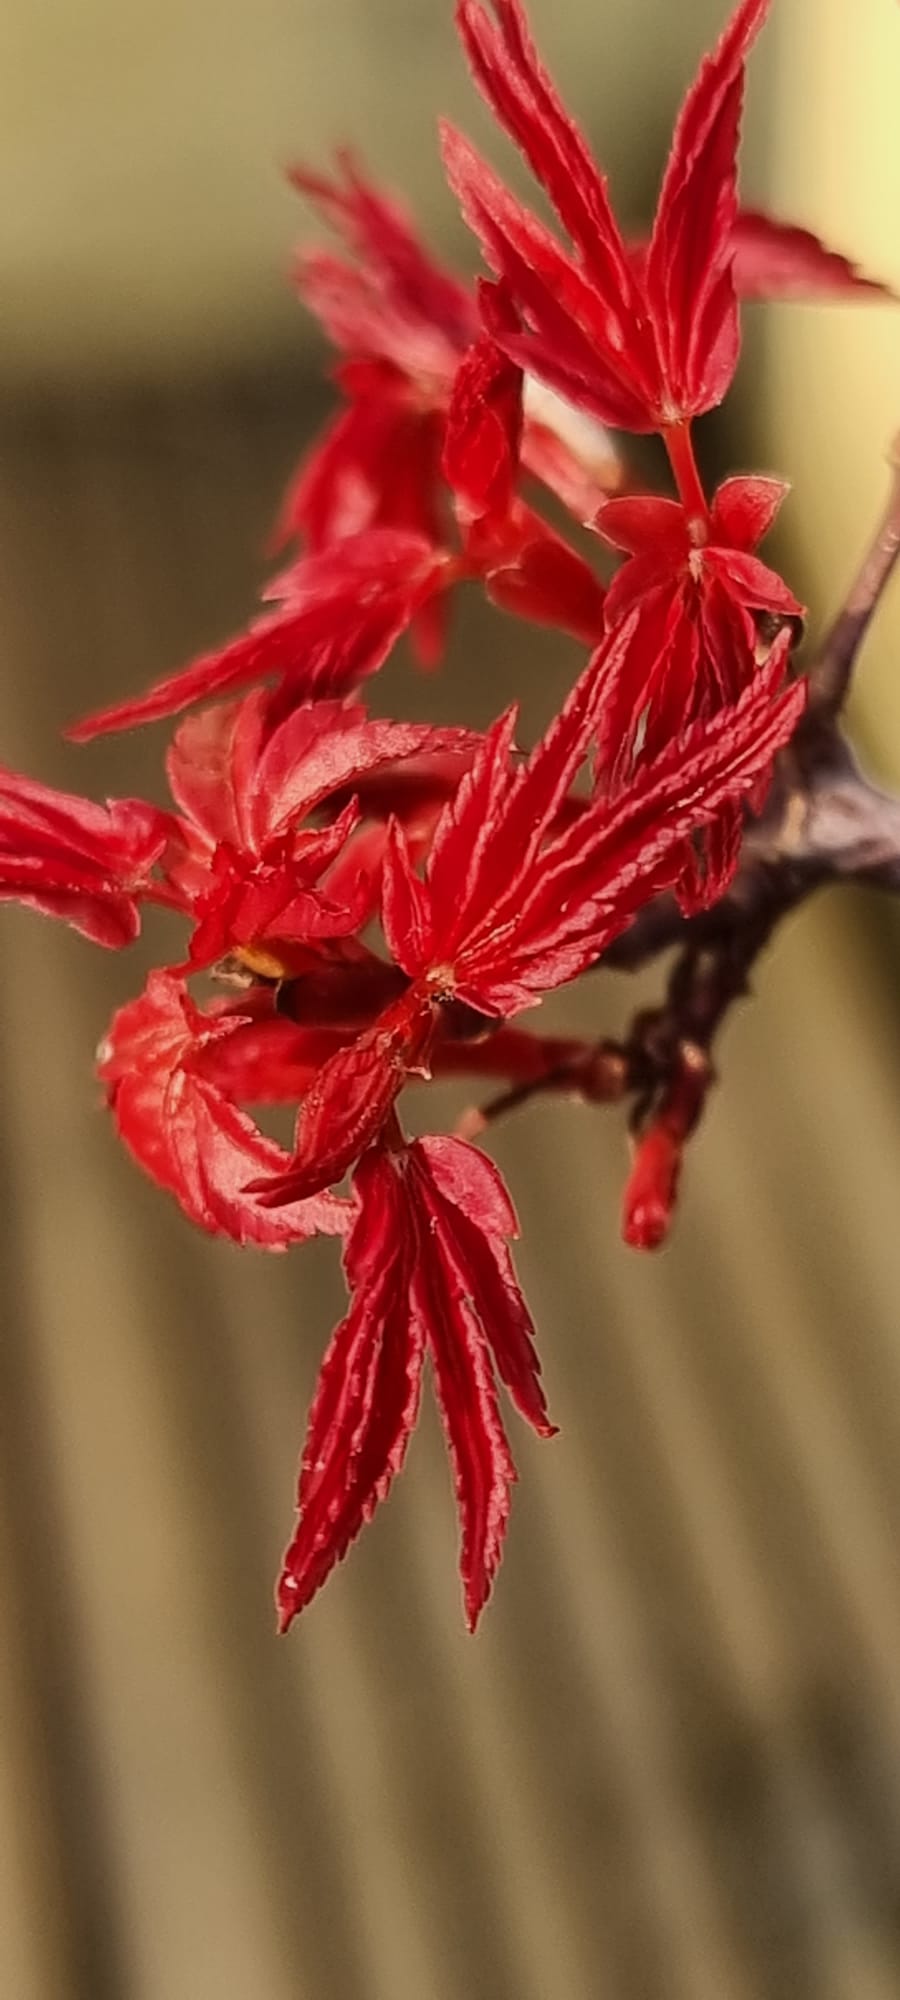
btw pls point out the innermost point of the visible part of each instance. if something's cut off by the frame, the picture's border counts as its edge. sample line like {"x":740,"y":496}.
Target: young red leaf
{"x":668,"y":556}
{"x":68,"y":858}
{"x":428,"y":1266}
{"x":476,"y":1319}
{"x":507,"y":69}
{"x":527,"y":569}
{"x":484,"y":429}
{"x":780,"y":260}
{"x":477,"y":1218}
{"x":406,"y":323}
{"x":324,"y":749}
{"x":248,"y":901}
{"x":185,"y":1133}
{"x":521,"y":907}
{"x":419,"y":315}
{"x":489,"y":837}
{"x":367,"y":1398}
{"x":247,"y":775}
{"x":350,"y":1098}
{"x":697,"y":591}
{"x":573,"y":336}
{"x":378,"y":465}
{"x":266,"y":1059}
{"x":644,"y":342}
{"x":341,"y":611}
{"x":483,"y":1470}
{"x":690,"y":288}
{"x":488,"y":840}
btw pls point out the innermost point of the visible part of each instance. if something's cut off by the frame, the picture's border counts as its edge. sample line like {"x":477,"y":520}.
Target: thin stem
{"x":830,"y":677}
{"x":680,"y":447}
{"x":599,"y":1072}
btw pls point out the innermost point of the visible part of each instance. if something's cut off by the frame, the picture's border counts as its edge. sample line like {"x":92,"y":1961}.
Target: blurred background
{"x":668,"y":1767}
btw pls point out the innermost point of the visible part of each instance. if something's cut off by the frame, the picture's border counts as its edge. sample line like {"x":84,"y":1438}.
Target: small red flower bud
{"x":651,"y":1189}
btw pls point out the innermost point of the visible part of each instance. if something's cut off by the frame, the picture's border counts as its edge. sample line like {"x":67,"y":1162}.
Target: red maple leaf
{"x":645,"y":336}
{"x":520,"y":895}
{"x":782,"y":260}
{"x":340,"y":612}
{"x":405,"y":325}
{"x":91,"y":865}
{"x":250,"y":869}
{"x":185,"y":1132}
{"x":429,"y":1272}
{"x":525,"y":567}
{"x":511,"y":905}
{"x":697,"y":590}
{"x":645,"y":347}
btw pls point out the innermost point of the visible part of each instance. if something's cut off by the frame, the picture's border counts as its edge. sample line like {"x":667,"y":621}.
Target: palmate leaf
{"x":429,"y":1271}
{"x":781,"y":260}
{"x":510,"y":906}
{"x":696,"y":590}
{"x":409,"y":296}
{"x":689,"y":283}
{"x":643,"y":342}
{"x":69,"y":858}
{"x":247,"y":775}
{"x":340,"y":612}
{"x":367,"y":1397}
{"x":183,"y":1130}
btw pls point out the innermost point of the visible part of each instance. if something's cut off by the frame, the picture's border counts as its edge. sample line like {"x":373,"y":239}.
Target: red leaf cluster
{"x":385,"y":896}
{"x":645,"y":338}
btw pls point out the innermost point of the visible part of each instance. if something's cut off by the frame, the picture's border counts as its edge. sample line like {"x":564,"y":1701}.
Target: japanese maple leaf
{"x":341,"y":610}
{"x":520,"y":895}
{"x":391,"y":301}
{"x":404,"y":324}
{"x":378,"y":465}
{"x":644,"y":336}
{"x":243,"y":857}
{"x":781,"y":260}
{"x":697,"y":589}
{"x":270,"y":853}
{"x":430,"y":464}
{"x":429,"y":1273}
{"x":510,"y":906}
{"x":644,"y":348}
{"x":91,"y":865}
{"x":525,"y":567}
{"x":186,"y":1133}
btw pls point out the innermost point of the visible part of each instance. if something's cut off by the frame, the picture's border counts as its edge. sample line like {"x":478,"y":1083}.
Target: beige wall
{"x":143,"y":223}
{"x":830,"y":387}
{"x":668,"y":1768}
